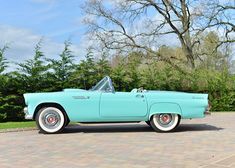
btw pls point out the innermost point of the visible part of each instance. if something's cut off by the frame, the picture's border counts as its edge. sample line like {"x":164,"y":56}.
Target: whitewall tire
{"x":164,"y":122}
{"x":50,"y":120}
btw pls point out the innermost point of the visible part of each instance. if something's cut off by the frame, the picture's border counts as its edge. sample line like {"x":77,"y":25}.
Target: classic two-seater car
{"x":162,"y":110}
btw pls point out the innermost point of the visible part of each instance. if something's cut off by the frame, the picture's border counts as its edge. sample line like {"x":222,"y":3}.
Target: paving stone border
{"x":31,"y":129}
{"x":207,"y":143}
{"x":16,"y":130}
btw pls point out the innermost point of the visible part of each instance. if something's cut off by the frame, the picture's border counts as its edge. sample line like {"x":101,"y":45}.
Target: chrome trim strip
{"x":28,"y":117}
{"x":81,"y":97}
{"x":26,"y":110}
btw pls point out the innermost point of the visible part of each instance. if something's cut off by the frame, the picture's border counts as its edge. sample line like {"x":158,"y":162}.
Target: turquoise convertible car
{"x":162,"y":110}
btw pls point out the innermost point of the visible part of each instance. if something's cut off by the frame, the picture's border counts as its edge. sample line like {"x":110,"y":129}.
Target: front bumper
{"x":27,"y":115}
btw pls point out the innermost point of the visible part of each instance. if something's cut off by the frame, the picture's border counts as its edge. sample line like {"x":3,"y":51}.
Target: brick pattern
{"x":208,"y":142}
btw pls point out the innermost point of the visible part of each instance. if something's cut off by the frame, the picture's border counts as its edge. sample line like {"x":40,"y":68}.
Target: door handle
{"x":139,"y":96}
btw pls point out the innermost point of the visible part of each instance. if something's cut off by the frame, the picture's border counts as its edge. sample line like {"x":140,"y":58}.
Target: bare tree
{"x":217,"y":16}
{"x":139,"y":24}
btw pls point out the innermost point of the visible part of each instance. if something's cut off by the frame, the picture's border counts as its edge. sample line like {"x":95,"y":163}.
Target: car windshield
{"x":104,"y":85}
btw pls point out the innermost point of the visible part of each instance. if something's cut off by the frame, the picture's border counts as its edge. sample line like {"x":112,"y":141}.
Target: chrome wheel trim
{"x":165,"y":122}
{"x":51,"y":119}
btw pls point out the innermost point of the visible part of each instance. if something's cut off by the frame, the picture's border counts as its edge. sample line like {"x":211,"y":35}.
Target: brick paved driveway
{"x":208,"y":142}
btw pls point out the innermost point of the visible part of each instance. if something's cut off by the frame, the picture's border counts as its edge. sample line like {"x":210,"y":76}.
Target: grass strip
{"x":22,"y":124}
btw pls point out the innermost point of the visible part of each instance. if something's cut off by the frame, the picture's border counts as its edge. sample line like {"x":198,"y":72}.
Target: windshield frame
{"x":100,"y":86}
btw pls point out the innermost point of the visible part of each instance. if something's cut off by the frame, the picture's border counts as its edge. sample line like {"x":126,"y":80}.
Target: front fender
{"x":157,"y":108}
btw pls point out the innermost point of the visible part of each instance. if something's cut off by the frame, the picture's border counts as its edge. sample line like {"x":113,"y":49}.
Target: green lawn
{"x":26,"y":124}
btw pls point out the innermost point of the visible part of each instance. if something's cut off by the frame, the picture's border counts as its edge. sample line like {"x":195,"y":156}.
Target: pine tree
{"x":103,"y":67}
{"x":86,"y":72}
{"x":33,"y":71}
{"x":3,"y":61}
{"x":62,"y":68}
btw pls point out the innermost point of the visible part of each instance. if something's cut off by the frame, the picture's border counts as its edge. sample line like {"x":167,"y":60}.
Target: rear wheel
{"x":164,"y":122}
{"x":50,"y":120}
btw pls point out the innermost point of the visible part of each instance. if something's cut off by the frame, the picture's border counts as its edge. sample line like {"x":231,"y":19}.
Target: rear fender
{"x":158,"y":108}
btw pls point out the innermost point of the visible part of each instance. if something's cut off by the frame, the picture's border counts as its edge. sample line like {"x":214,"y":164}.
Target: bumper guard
{"x":27,"y":115}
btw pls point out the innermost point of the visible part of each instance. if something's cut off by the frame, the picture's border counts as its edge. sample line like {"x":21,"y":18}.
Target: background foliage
{"x":211,"y":75}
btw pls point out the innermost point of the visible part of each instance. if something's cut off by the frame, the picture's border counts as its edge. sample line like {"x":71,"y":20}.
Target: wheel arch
{"x":159,"y":108}
{"x":49,"y":104}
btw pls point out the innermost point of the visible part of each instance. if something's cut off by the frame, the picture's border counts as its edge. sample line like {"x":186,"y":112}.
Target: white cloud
{"x":22,"y":43}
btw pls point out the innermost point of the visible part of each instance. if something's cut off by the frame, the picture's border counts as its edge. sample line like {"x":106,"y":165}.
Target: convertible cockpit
{"x":106,"y":85}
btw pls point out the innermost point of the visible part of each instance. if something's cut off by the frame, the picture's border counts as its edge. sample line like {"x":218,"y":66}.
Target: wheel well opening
{"x":50,"y":105}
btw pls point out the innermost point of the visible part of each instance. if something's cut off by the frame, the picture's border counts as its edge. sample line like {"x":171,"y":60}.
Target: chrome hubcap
{"x":165,"y":119}
{"x":51,"y":119}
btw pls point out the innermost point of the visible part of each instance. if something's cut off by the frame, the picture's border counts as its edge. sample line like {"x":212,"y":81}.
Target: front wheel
{"x":164,"y":122}
{"x":50,"y":120}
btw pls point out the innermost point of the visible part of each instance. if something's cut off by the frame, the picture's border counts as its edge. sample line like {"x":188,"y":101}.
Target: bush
{"x":3,"y":116}
{"x":127,"y":72}
{"x":11,"y":108}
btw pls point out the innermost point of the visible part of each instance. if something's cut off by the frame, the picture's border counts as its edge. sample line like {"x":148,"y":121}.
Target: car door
{"x":82,"y":106}
{"x":123,"y":104}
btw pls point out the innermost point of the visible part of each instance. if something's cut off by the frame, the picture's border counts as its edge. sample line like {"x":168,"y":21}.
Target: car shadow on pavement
{"x":107,"y":128}
{"x":197,"y":127}
{"x":125,"y":128}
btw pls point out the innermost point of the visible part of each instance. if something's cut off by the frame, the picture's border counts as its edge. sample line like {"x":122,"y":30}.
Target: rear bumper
{"x":27,"y":115}
{"x":207,"y":113}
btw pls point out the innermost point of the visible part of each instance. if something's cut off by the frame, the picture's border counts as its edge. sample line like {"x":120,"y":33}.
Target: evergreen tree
{"x":33,"y":71}
{"x":62,"y":68}
{"x":10,"y":101}
{"x":118,"y":73}
{"x":132,"y":76}
{"x":85,"y":73}
{"x":3,"y":61}
{"x":103,"y":67}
